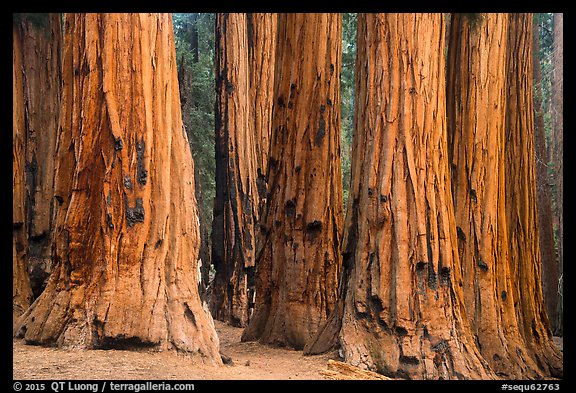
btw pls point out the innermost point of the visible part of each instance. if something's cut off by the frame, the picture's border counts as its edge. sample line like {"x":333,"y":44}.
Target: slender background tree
{"x":236,"y":203}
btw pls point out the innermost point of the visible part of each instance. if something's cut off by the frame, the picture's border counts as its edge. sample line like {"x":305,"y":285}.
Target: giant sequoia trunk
{"x":402,"y":312}
{"x":41,"y":69}
{"x":477,"y":118}
{"x":521,"y":209}
{"x":236,"y":202}
{"x":21,"y":290}
{"x":262,"y":30}
{"x":299,"y":256}
{"x":126,"y":227}
{"x":545,"y":224}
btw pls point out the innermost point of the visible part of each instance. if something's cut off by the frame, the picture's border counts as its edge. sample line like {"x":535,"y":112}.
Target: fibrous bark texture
{"x":236,"y":202}
{"x":521,"y":209}
{"x":42,"y":83}
{"x":126,"y":228}
{"x":299,"y":247}
{"x":402,"y":311}
{"x":262,"y":30}
{"x":477,"y":96}
{"x":21,"y":290}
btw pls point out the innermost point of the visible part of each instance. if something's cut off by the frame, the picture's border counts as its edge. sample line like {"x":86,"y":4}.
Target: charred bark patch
{"x":400,"y":331}
{"x":473,"y":195}
{"x":118,"y":145}
{"x":420,"y":267}
{"x":229,"y":87}
{"x":411,"y":360}
{"x":440,"y":347}
{"x":261,"y":184}
{"x":127,"y":182}
{"x":445,"y":274}
{"x":290,"y":207}
{"x":313,"y":230}
{"x":432,"y":277}
{"x":135,"y":214}
{"x":321,"y":132}
{"x":141,"y":172}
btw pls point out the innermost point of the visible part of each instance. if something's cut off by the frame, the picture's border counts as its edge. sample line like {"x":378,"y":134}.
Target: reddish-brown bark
{"x":21,"y":290}
{"x":521,"y":209}
{"x":126,"y":227}
{"x":401,"y":307}
{"x":298,"y":257}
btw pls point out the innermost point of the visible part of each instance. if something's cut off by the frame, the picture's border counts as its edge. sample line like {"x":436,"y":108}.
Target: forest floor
{"x":250,"y":360}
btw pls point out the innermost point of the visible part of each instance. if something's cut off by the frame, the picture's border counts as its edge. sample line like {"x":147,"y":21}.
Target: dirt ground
{"x":250,"y":361}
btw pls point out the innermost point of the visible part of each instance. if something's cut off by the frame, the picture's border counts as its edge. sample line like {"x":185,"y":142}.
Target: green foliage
{"x":198,"y":111}
{"x":347,"y":95}
{"x":38,"y":20}
{"x":545,"y":36}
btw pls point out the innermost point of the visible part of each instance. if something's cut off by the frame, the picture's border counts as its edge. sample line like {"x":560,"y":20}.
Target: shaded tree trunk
{"x":126,"y":228}
{"x":236,"y":202}
{"x":21,"y":290}
{"x":299,"y":250}
{"x":545,"y":225}
{"x":42,"y":61}
{"x":521,"y":210}
{"x":187,"y":104}
{"x":402,"y":310}
{"x":477,"y":119}
{"x":262,"y":31}
{"x":558,"y":148}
